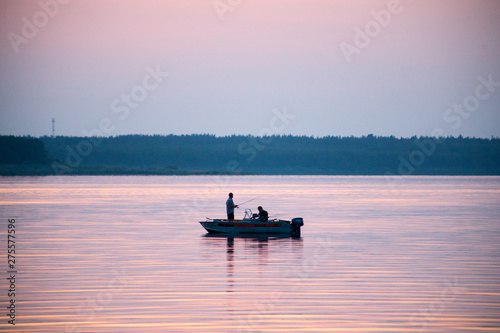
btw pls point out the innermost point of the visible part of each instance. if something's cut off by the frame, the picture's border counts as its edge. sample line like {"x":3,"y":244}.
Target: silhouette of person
{"x":230,"y":206}
{"x":263,"y":216}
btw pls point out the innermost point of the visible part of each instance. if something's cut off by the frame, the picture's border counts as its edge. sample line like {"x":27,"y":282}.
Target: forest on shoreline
{"x":237,"y":154}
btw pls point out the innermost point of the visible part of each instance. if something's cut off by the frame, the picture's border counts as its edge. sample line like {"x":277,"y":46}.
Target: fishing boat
{"x":250,"y":224}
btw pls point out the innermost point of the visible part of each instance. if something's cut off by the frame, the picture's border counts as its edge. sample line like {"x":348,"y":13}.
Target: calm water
{"x":377,"y":254}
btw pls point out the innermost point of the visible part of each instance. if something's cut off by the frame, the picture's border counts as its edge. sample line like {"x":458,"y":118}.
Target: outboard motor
{"x":296,"y":224}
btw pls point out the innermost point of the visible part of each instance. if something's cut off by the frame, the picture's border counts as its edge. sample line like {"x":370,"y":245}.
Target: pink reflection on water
{"x":116,"y":254}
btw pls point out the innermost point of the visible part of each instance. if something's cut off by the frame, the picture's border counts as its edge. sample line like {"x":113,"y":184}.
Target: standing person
{"x":263,"y":215}
{"x":230,"y":207}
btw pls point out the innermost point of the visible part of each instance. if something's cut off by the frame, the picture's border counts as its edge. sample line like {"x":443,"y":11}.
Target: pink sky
{"x":226,"y":76}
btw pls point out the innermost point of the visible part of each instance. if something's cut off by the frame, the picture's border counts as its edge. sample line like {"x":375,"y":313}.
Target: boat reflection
{"x":260,"y":242}
{"x":255,"y":237}
{"x":256,"y":250}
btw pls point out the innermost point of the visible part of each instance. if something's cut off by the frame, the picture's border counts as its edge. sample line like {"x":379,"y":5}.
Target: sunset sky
{"x":302,"y":67}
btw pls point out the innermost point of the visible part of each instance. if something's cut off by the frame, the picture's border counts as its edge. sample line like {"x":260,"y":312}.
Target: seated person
{"x":263,"y":216}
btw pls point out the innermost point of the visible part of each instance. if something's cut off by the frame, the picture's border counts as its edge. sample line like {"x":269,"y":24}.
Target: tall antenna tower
{"x":53,"y":127}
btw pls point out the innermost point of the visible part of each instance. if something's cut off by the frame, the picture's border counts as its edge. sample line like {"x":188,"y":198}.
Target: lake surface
{"x":377,"y":254}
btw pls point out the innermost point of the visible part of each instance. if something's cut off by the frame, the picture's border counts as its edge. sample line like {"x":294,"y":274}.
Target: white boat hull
{"x":253,"y":226}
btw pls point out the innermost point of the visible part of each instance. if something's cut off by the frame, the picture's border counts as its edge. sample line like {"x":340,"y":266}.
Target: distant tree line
{"x":22,"y":150}
{"x":279,"y":154}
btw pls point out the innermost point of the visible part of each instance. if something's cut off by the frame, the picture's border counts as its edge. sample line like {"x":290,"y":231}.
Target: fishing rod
{"x":250,"y":200}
